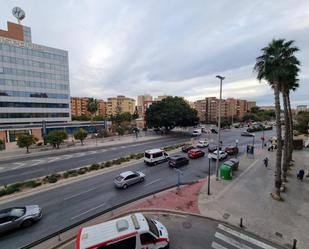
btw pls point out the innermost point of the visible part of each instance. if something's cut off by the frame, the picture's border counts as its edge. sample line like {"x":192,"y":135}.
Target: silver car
{"x":16,"y":217}
{"x":128,"y":178}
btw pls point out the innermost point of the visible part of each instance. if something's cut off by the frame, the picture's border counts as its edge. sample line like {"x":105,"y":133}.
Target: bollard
{"x":294,"y":243}
{"x":241,"y":225}
{"x":59,"y":239}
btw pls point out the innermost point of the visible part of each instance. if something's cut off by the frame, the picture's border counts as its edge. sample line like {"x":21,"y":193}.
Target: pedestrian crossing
{"x":228,"y":238}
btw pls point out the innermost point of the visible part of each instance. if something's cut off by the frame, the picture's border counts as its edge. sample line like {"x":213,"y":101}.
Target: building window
{"x":34,"y":95}
{"x":33,"y":115}
{"x":32,"y":105}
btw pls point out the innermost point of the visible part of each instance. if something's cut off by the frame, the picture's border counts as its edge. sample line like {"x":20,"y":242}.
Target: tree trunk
{"x":286,"y":137}
{"x":27,"y":149}
{"x":291,"y":128}
{"x":276,"y":192}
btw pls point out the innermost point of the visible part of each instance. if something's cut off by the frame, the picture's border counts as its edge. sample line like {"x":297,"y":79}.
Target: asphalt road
{"x":68,"y":204}
{"x":32,"y":168}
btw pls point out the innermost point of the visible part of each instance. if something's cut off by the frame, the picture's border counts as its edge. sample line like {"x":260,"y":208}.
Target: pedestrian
{"x":266,"y":162}
{"x":300,"y":174}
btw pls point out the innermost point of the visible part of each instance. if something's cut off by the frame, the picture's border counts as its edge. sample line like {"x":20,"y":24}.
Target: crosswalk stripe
{"x":215,"y":245}
{"x":245,"y":237}
{"x":231,"y":241}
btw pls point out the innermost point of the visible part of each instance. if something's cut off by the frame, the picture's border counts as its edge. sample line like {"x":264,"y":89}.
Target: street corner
{"x":184,"y":199}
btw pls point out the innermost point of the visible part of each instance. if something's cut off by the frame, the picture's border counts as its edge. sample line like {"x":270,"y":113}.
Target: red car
{"x":231,"y":150}
{"x":196,"y":153}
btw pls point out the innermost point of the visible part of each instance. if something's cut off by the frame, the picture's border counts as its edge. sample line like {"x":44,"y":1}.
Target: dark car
{"x":16,"y":217}
{"x":214,"y":131}
{"x":247,"y":134}
{"x":231,"y":150}
{"x":187,"y":147}
{"x":196,"y":153}
{"x":212,"y":148}
{"x":177,"y":161}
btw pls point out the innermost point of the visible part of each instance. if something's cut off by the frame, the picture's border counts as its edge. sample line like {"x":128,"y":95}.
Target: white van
{"x":197,"y":132}
{"x":155,"y":156}
{"x":134,"y":231}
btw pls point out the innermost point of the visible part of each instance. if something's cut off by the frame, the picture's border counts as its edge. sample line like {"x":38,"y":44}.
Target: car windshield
{"x":152,"y":227}
{"x":17,"y":212}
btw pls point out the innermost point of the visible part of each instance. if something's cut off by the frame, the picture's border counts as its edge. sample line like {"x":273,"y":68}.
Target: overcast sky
{"x":169,"y":47}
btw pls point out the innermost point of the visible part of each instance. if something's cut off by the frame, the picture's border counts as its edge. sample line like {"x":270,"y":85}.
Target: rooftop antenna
{"x":19,"y":14}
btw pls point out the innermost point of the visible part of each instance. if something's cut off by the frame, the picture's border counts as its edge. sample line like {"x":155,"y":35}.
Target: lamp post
{"x":208,"y":192}
{"x":219,"y":127}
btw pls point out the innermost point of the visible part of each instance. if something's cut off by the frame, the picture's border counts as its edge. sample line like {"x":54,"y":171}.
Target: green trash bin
{"x":226,"y":172}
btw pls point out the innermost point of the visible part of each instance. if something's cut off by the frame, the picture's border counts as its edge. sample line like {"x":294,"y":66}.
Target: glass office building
{"x":34,"y":79}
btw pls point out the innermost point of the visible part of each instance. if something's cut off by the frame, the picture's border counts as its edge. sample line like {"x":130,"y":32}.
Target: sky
{"x":175,"y":47}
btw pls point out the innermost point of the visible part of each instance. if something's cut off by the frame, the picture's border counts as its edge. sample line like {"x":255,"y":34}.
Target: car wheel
{"x":142,"y":179}
{"x":124,"y":186}
{"x":27,"y":223}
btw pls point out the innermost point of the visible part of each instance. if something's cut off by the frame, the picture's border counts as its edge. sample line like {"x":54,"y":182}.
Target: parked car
{"x":212,"y":148}
{"x":17,"y":217}
{"x":231,"y":150}
{"x":214,"y":131}
{"x":247,"y":134}
{"x":222,"y":155}
{"x":128,"y":178}
{"x":187,"y":147}
{"x":202,"y":144}
{"x":196,"y":153}
{"x":177,"y":161}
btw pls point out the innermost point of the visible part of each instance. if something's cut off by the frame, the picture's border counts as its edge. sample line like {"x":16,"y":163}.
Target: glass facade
{"x":34,"y":94}
{"x":33,"y":115}
{"x":33,"y":105}
{"x":35,"y":77}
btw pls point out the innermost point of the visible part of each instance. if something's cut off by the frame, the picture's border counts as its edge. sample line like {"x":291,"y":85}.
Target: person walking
{"x":266,"y":162}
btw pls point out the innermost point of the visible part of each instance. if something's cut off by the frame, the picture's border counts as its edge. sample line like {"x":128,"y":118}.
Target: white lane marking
{"x":159,"y":179}
{"x":245,"y":237}
{"x":19,"y":165}
{"x":231,"y":241}
{"x":91,"y":152}
{"x":79,"y":154}
{"x":122,"y":147}
{"x":89,"y":210}
{"x":103,"y":150}
{"x":114,"y":148}
{"x":86,"y":159}
{"x":36,"y":162}
{"x":66,"y":157}
{"x":72,"y":196}
{"x":52,"y":159}
{"x":215,"y":245}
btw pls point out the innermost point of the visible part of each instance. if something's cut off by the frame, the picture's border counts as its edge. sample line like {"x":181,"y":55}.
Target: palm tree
{"x":92,"y":107}
{"x":288,"y":83}
{"x":271,"y":66}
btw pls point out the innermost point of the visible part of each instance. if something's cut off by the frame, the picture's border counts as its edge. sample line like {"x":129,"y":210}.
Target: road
{"x":68,"y":204}
{"x":24,"y":169}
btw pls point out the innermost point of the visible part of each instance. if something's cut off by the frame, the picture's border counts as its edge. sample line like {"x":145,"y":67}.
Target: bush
{"x":94,"y":166}
{"x":108,"y":164}
{"x":118,"y":161}
{"x":82,"y":171}
{"x":72,"y":171}
{"x":2,"y":192}
{"x":66,"y":175}
{"x":15,"y":187}
{"x":53,"y":178}
{"x":132,"y":156}
{"x":32,"y":184}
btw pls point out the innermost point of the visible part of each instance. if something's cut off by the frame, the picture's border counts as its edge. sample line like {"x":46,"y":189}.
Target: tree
{"x":171,"y":112}
{"x":302,"y":122}
{"x":81,"y":135}
{"x":271,"y":66}
{"x":92,"y":106}
{"x":135,"y":114}
{"x":56,"y":137}
{"x":25,"y":141}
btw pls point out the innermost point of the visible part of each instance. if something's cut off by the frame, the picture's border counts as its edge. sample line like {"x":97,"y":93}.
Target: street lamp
{"x":219,"y":127}
{"x":178,"y":177}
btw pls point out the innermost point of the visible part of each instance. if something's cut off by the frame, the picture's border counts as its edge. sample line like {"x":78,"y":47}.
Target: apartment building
{"x":79,"y":106}
{"x":120,"y":104}
{"x":208,"y":108}
{"x":143,"y":102}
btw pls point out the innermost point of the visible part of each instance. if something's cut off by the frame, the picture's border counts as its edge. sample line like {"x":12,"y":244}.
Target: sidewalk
{"x":88,"y":144}
{"x":248,"y":197}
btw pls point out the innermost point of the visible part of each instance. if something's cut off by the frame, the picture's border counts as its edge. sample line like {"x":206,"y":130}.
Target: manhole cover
{"x":226,"y":216}
{"x":187,"y":225}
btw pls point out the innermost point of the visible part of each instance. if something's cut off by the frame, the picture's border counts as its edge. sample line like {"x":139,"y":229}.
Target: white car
{"x":222,"y":155}
{"x":202,"y":144}
{"x":196,"y":133}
